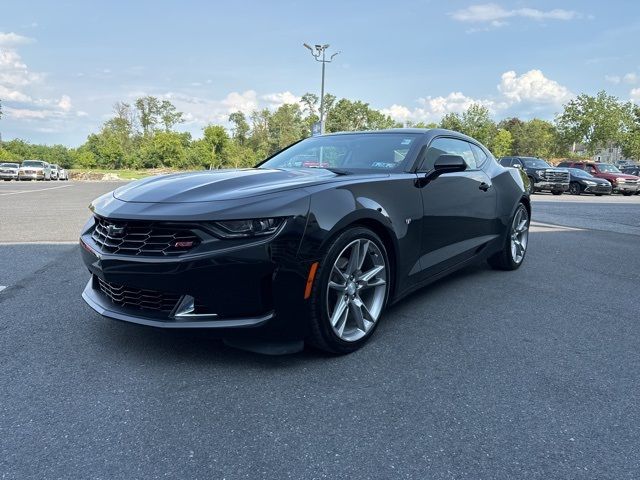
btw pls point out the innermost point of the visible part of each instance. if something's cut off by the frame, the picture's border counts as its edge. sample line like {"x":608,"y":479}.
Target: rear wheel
{"x":515,"y":247}
{"x":574,"y":188}
{"x":557,"y":192}
{"x":626,"y":194}
{"x":350,"y":291}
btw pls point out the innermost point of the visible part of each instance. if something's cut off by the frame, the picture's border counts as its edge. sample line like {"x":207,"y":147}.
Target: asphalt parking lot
{"x":526,"y":374}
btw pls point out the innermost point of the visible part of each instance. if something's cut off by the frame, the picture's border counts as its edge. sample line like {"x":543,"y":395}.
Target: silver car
{"x":62,"y":174}
{"x":34,"y":170}
{"x":54,"y":171}
{"x":9,"y":171}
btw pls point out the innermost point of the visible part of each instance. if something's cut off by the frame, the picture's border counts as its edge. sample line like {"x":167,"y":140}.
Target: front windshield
{"x":32,"y":163}
{"x":607,"y":168}
{"x":535,"y":163}
{"x":370,"y":151}
{"x":576,"y":172}
{"x":9,"y":165}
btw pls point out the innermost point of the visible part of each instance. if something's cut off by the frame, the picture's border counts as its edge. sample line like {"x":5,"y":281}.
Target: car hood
{"x":618,"y":175}
{"x":216,"y":185}
{"x":599,"y":181}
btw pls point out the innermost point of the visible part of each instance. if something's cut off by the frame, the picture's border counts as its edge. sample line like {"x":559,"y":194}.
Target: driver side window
{"x":451,"y":146}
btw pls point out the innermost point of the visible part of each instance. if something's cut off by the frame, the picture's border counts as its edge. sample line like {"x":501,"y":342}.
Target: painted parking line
{"x":2,"y":287}
{"x":37,"y":190}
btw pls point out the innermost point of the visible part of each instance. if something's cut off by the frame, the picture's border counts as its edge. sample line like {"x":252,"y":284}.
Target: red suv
{"x":620,"y":182}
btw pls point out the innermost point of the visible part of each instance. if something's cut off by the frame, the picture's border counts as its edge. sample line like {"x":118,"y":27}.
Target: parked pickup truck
{"x":542,"y":176}
{"x":620,"y":182}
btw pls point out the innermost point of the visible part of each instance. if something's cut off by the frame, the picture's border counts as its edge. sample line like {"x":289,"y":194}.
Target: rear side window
{"x":481,"y":157}
{"x":505,"y":162}
{"x":451,"y":146}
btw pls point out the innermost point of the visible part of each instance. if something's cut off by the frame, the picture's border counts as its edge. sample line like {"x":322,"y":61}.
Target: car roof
{"x":431,"y":132}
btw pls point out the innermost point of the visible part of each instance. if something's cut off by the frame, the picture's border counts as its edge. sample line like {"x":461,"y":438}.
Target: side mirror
{"x":446,"y":164}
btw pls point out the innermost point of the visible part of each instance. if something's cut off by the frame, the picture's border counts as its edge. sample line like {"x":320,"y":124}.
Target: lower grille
{"x":142,"y":238}
{"x":138,"y":298}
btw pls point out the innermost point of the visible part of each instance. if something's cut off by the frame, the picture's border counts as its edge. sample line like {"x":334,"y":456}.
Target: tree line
{"x":142,"y":134}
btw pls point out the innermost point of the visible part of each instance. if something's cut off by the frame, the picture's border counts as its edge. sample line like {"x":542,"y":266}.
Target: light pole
{"x":319,"y":55}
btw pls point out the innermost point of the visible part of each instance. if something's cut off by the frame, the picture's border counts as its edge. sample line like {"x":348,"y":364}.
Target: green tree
{"x":356,"y":116}
{"x":631,"y":138}
{"x":240,"y":127}
{"x":217,"y":142}
{"x":285,"y":126}
{"x":169,"y":115}
{"x":148,"y":112}
{"x":477,"y":123}
{"x":451,"y":121}
{"x":502,"y":143}
{"x":594,"y":121}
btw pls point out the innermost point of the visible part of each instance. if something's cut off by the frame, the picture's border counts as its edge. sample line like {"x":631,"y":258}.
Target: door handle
{"x":484,"y":186}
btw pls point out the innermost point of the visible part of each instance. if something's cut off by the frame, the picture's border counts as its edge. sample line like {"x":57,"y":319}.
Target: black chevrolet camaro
{"x":311,"y":245}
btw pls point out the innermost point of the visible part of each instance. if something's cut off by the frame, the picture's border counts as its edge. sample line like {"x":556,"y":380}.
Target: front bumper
{"x":625,"y":188}
{"x":31,"y":176}
{"x":543,"y":185}
{"x":600,"y":189}
{"x":101,"y":304}
{"x":8,"y":176}
{"x":256,"y":290}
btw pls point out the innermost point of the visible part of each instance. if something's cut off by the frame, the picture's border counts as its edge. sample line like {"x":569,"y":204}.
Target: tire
{"x":531,"y":190}
{"x":626,"y":194}
{"x":574,"y":188}
{"x":338,"y":294}
{"x":557,"y":192}
{"x":598,"y":194}
{"x":508,"y":258}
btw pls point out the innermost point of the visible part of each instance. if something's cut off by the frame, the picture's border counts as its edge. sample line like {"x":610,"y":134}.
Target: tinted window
{"x":33,"y":163}
{"x":385,"y":151}
{"x":536,"y":163}
{"x":451,"y":146}
{"x":481,"y":157}
{"x":505,"y":162}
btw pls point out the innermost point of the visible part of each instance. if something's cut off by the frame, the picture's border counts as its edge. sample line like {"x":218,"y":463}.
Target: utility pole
{"x":319,"y":54}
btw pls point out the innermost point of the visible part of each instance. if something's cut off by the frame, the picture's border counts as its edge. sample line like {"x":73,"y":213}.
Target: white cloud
{"x":245,"y":102}
{"x":615,"y":79}
{"x":19,"y":85}
{"x":630,"y":78}
{"x":635,"y":94}
{"x":13,"y":39}
{"x":532,"y":86}
{"x":495,"y":15}
{"x":277,"y":99}
{"x":531,"y":90}
{"x":65,"y":103}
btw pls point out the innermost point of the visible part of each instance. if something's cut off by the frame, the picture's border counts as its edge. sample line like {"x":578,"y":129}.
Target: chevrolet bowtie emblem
{"x":115,"y":231}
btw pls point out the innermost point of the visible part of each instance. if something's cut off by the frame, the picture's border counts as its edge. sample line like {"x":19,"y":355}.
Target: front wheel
{"x":574,"y":188}
{"x":515,"y":247}
{"x":626,"y":194}
{"x":557,"y":192}
{"x":350,"y":291}
{"x":531,"y":188}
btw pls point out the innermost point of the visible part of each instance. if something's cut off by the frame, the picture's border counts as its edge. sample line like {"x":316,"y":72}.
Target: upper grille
{"x":555,"y":176}
{"x":138,"y":298}
{"x":630,"y":180}
{"x":142,"y":238}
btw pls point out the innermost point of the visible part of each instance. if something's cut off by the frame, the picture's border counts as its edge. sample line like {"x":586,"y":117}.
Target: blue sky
{"x":63,"y":64}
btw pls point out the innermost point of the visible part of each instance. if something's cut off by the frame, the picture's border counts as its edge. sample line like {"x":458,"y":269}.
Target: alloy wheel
{"x":519,"y":234}
{"x":357,"y":289}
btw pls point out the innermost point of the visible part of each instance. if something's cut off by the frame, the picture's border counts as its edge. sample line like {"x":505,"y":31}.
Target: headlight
{"x":590,"y":183}
{"x":620,"y":180}
{"x":258,"y":227}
